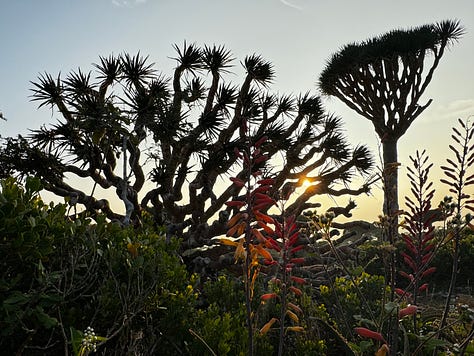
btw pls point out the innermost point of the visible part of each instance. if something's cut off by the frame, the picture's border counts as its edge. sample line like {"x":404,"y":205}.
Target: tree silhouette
{"x":129,"y":124}
{"x":383,"y":79}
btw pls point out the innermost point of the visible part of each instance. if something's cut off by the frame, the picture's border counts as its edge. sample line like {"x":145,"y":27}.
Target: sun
{"x":306,"y":183}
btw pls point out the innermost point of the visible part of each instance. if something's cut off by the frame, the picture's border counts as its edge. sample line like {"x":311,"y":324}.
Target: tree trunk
{"x":390,"y":231}
{"x":390,"y":179}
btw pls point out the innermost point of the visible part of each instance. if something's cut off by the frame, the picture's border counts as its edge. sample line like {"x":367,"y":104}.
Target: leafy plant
{"x":458,"y":177}
{"x":256,"y":233}
{"x":419,"y":221}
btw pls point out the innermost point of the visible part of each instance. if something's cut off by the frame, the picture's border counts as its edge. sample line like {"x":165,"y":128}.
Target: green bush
{"x":61,"y":276}
{"x":444,"y":258}
{"x":346,"y":305}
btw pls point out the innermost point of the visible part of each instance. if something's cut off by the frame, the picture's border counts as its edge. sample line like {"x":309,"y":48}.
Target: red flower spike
{"x":364,"y":332}
{"x":428,"y":248}
{"x":237,"y":153}
{"x":426,"y":258}
{"x":409,"y":261}
{"x":295,"y":290}
{"x":293,"y":238}
{"x":256,"y":152}
{"x":297,"y":260}
{"x":274,"y":244}
{"x":256,"y":174}
{"x":264,"y":253}
{"x":237,"y":182}
{"x":402,"y":293}
{"x":235,"y":219}
{"x":261,"y":159}
{"x":259,"y":236}
{"x":263,"y":217}
{"x":235,"y":203}
{"x":428,"y":272}
{"x":261,"y":141}
{"x":423,"y":287}
{"x":269,"y":262}
{"x":290,"y":220}
{"x":264,"y":197}
{"x":410,"y":245}
{"x":265,"y":227}
{"x":409,"y":310}
{"x":298,"y":280}
{"x":268,"y":296}
{"x":262,"y":189}
{"x":266,"y":181}
{"x":278,"y":230}
{"x":296,"y":249}
{"x":261,"y":206}
{"x":263,"y":200}
{"x":399,"y":291}
{"x":407,"y":276}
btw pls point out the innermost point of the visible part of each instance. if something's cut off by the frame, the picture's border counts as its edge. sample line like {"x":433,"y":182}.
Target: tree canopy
{"x":125,"y":125}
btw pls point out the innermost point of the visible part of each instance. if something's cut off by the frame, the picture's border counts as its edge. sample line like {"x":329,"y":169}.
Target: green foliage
{"x":59,"y":276}
{"x":444,"y":257}
{"x":81,"y":285}
{"x":26,"y":243}
{"x":128,"y":284}
{"x":344,"y":302}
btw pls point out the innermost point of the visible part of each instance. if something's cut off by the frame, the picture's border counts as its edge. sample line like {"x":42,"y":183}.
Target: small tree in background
{"x":383,"y":79}
{"x":127,"y":124}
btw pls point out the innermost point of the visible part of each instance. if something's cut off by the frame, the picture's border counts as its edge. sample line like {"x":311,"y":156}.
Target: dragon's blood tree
{"x":163,"y":146}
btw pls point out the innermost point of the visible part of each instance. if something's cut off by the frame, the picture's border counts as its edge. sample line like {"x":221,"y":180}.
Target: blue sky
{"x":298,"y":36}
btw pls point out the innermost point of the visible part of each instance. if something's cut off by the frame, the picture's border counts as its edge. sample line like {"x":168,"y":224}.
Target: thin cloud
{"x":128,"y":3}
{"x":289,"y":4}
{"x":458,"y":109}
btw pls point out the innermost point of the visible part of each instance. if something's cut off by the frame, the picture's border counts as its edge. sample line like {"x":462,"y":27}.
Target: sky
{"x":297,"y":36}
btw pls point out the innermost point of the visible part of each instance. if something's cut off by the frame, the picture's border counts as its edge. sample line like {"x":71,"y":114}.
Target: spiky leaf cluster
{"x":382,"y":78}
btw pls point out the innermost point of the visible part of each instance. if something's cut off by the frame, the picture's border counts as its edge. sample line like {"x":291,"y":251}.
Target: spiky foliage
{"x":384,"y":78}
{"x":458,"y":177}
{"x":419,"y":221}
{"x":250,"y":245}
{"x":185,"y":128}
{"x":256,"y":234}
